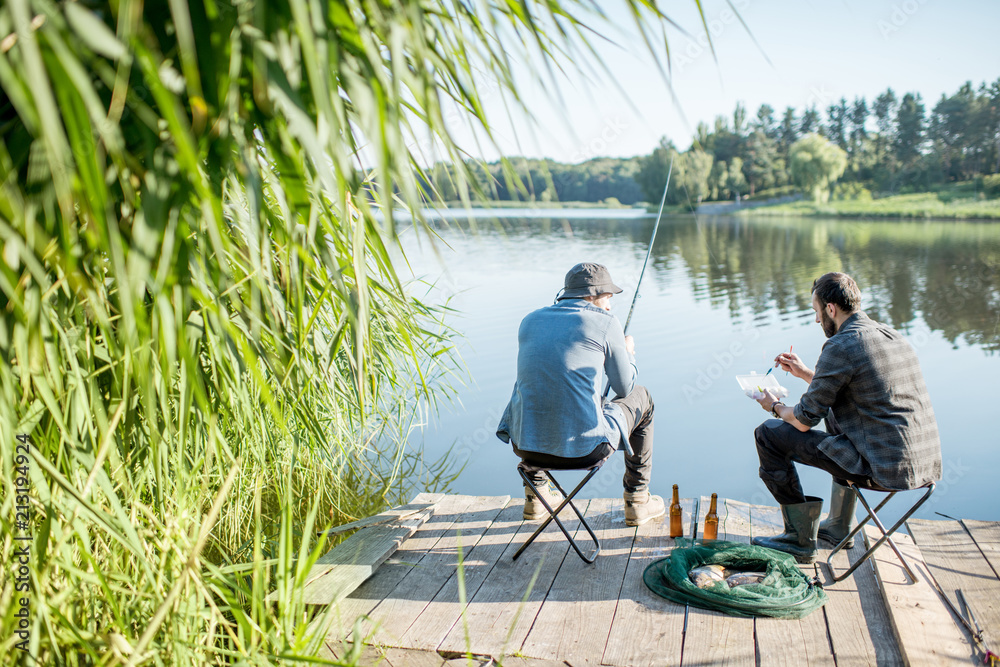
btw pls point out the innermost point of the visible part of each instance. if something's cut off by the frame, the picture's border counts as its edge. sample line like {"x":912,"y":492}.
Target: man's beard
{"x":829,"y":326}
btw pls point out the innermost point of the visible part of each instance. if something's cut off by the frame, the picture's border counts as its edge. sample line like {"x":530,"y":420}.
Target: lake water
{"x":721,"y":297}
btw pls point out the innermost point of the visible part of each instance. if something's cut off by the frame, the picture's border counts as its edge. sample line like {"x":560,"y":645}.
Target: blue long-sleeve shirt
{"x":563,"y":352}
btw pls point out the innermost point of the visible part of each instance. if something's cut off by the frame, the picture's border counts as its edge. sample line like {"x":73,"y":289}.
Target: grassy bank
{"x":924,"y":205}
{"x":537,"y":204}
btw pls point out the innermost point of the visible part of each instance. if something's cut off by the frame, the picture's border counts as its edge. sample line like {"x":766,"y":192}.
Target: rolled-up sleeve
{"x":618,"y":363}
{"x":833,"y":371}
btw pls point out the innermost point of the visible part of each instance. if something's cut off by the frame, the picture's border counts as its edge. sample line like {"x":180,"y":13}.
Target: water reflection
{"x":944,"y":273}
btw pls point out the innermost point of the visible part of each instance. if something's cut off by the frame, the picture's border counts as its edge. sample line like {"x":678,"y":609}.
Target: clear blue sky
{"x":818,"y":52}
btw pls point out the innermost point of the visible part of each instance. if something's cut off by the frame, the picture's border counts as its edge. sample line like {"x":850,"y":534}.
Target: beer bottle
{"x":711,"y":531}
{"x":676,"y":523}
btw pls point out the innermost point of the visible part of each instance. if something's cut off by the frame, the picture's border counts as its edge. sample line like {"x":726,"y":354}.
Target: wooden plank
{"x":399,"y":512}
{"x":712,"y":637}
{"x":957,"y":563}
{"x":501,"y":613}
{"x":860,"y":629}
{"x":394,"y":615}
{"x":576,"y":617}
{"x":437,"y":619}
{"x":397,"y":657}
{"x":647,"y":630}
{"x":924,"y":629}
{"x":511,"y":661}
{"x":371,"y":592}
{"x":368,"y":656}
{"x":337,"y":573}
{"x":987,"y":537}
{"x":789,"y":641}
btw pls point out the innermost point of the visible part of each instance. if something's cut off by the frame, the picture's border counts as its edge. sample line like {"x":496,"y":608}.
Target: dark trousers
{"x":638,"y":410}
{"x":780,"y":446}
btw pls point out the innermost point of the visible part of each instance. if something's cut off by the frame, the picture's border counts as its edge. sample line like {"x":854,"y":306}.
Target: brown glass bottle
{"x":676,"y":523}
{"x":711,"y":531}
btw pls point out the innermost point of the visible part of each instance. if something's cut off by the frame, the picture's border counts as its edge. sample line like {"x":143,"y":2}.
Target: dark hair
{"x":839,"y":289}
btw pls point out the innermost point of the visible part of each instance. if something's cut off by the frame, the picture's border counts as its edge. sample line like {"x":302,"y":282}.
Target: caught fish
{"x":706,"y":575}
{"x":744,"y":578}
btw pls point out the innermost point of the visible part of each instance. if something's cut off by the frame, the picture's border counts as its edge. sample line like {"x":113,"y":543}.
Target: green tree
{"x":736,"y":182}
{"x":691,"y":172}
{"x":884,"y":110}
{"x":717,"y":180}
{"x":815,"y":164}
{"x":652,"y":173}
{"x":909,"y":130}
{"x":809,"y":122}
{"x":763,"y":164}
{"x":766,"y":121}
{"x":836,"y":126}
{"x":788,"y":132}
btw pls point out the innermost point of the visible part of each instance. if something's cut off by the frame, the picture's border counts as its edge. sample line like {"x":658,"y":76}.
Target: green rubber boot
{"x":801,"y":526}
{"x":840,"y":521}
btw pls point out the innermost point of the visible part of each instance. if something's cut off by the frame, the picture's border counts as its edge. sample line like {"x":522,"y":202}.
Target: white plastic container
{"x":753,"y":385}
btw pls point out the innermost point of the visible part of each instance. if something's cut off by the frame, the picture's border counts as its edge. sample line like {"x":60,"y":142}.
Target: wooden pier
{"x":549,"y":608}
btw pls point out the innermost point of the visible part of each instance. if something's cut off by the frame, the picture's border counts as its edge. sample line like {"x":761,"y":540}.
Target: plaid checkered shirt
{"x":869,"y":376}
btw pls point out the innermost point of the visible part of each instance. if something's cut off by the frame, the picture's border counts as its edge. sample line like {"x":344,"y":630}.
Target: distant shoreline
{"x":911,"y":207}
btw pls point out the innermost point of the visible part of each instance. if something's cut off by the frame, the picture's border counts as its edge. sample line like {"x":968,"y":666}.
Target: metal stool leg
{"x":886,"y":534}
{"x":554,"y":515}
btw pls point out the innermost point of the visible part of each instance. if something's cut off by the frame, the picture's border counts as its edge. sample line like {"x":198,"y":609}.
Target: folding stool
{"x":886,"y":534}
{"x":524,"y":468}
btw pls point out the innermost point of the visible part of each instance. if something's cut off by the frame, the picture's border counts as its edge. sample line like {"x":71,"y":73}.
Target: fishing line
{"x":649,"y":250}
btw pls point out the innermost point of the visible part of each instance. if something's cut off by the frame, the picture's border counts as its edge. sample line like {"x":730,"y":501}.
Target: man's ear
{"x":831,"y":310}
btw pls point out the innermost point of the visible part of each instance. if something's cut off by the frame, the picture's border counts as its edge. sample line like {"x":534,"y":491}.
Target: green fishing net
{"x":785,"y":591}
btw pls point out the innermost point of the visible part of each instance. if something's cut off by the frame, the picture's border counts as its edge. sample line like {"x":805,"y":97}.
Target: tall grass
{"x":202,"y":329}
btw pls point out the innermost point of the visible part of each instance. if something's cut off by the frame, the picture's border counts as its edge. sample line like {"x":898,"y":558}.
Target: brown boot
{"x":640,"y":507}
{"x":533,"y":507}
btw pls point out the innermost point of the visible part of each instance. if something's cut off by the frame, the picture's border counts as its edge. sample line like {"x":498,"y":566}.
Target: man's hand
{"x":792,"y":363}
{"x":785,"y":412}
{"x":767,"y":400}
{"x":630,"y":345}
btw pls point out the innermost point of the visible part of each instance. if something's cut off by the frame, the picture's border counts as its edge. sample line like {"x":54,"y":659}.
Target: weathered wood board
{"x":713,"y":637}
{"x":575,"y":620}
{"x":412,"y":595}
{"x":499,"y":616}
{"x":336,"y":574}
{"x":647,"y":630}
{"x":858,"y":622}
{"x":432,"y":625}
{"x":924,"y":629}
{"x":392,"y":514}
{"x":775,"y":636}
{"x":956,"y":561}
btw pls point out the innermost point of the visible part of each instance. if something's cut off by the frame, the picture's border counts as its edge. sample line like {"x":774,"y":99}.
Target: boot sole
{"x":805,"y":560}
{"x":835,"y":542}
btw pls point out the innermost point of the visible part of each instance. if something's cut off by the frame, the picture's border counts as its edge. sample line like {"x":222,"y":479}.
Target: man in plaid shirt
{"x":880,"y":427}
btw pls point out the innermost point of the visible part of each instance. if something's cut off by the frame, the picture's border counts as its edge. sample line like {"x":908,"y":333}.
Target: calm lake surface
{"x":723,"y":296}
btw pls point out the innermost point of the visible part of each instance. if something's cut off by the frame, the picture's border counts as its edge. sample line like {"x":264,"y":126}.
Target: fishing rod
{"x":628,"y":320}
{"x":659,"y":215}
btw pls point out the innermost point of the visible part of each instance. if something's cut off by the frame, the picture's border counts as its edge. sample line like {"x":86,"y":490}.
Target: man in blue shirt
{"x":556,"y":410}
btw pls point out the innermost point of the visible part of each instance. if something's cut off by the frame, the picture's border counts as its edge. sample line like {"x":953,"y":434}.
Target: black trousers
{"x":780,"y":446}
{"x":638,"y":410}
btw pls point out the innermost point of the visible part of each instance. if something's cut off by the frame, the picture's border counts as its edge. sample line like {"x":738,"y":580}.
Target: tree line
{"x":889,"y":145}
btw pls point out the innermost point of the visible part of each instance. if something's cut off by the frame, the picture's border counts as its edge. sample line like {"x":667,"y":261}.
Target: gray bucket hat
{"x":588,"y":279}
